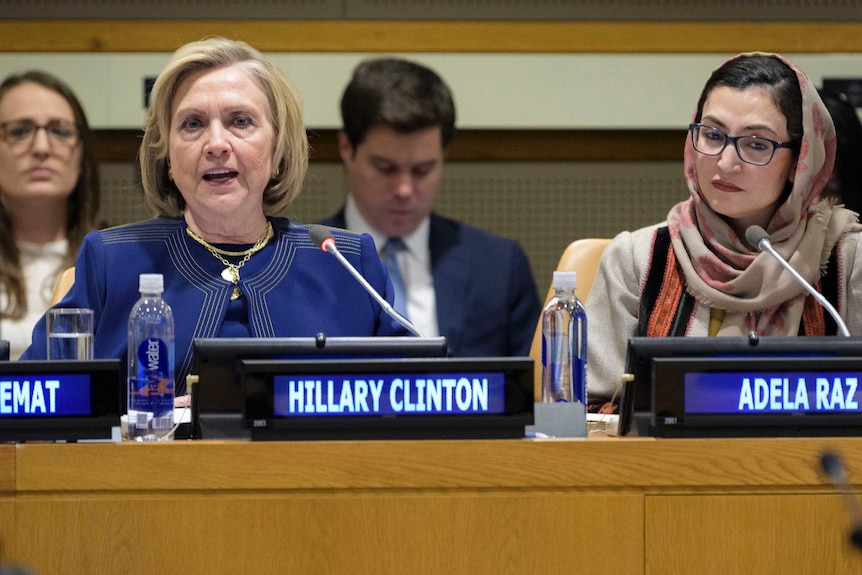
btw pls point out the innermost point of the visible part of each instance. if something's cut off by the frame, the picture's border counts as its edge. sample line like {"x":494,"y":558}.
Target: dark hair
{"x":397,"y":93}
{"x":83,"y":202}
{"x":768,"y":72}
{"x":848,"y":157}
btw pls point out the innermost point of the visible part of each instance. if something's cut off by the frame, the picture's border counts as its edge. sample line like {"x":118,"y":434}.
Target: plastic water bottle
{"x":564,"y":343}
{"x":151,"y":363}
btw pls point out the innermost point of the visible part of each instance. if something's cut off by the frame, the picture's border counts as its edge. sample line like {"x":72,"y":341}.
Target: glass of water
{"x":70,"y":333}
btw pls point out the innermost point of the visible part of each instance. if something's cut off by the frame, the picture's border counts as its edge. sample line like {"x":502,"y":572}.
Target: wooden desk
{"x":616,"y":506}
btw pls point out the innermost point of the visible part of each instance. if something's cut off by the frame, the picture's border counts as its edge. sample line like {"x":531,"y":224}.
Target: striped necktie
{"x":390,"y":257}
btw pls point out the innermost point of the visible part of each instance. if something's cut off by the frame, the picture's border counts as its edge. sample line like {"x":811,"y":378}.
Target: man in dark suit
{"x":451,"y":279}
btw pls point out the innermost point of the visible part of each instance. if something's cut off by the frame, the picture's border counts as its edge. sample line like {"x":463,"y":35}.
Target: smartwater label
{"x":153,"y":388}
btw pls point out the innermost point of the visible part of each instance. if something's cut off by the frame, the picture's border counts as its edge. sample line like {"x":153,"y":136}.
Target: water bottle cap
{"x":151,"y":283}
{"x":565,"y":280}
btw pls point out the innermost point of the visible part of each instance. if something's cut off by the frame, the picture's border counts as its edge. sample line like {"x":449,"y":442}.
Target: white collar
{"x":416,"y":242}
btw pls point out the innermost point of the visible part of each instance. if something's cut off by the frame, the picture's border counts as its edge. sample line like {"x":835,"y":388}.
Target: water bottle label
{"x":153,"y":388}
{"x":555,"y":369}
{"x":563,"y":373}
{"x":579,"y":379}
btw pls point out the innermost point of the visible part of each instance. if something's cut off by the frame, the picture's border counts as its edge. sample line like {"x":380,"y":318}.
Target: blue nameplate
{"x":59,"y":400}
{"x":36,"y":395}
{"x":388,"y":394}
{"x":757,"y":396}
{"x":395,"y":398}
{"x":776,"y":392}
{"x":737,"y":353}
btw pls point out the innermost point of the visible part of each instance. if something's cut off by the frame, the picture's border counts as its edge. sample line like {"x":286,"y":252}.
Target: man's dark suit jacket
{"x":487,"y":301}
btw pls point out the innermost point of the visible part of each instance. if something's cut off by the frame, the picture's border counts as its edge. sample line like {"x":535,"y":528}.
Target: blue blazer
{"x":487,"y":301}
{"x":291,"y":288}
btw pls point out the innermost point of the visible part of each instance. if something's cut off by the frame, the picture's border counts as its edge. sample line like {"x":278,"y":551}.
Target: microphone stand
{"x":320,"y":235}
{"x":757,"y":236}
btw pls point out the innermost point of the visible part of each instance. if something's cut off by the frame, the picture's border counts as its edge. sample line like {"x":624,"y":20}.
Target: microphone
{"x":323,"y":239}
{"x":833,"y":467}
{"x":757,"y":237}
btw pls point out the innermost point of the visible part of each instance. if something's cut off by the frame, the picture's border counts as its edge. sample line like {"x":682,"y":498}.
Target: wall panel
{"x":491,"y":91}
{"x":543,"y":205}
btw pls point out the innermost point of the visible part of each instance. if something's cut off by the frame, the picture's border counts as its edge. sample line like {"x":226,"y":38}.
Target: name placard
{"x":430,"y":397}
{"x":23,"y":395}
{"x":636,"y":406}
{"x":757,"y":396}
{"x":777,"y":392}
{"x":389,"y":394}
{"x":59,"y":400}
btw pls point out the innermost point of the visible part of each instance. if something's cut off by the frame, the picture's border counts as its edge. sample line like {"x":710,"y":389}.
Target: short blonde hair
{"x":285,"y":115}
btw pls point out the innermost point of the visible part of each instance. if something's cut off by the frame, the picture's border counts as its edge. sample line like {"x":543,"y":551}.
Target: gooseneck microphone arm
{"x":757,"y":237}
{"x":323,"y":239}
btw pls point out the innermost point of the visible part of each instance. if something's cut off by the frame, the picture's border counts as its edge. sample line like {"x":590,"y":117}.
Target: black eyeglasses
{"x":22,"y":132}
{"x":755,"y":150}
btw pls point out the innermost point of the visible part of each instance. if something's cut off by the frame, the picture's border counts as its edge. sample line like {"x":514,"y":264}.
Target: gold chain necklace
{"x":231,"y":271}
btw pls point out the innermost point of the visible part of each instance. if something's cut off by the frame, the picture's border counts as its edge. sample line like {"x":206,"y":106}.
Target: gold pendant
{"x":236,"y":293}
{"x":230,"y":274}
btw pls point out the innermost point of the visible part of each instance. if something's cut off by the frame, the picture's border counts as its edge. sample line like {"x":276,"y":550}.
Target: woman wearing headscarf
{"x":758,"y":153}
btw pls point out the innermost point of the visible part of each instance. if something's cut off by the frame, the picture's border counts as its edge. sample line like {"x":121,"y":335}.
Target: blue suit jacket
{"x":292,"y":288}
{"x":487,"y":301}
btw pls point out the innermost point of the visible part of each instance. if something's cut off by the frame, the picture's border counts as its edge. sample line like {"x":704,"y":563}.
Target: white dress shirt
{"x":414,"y":262}
{"x":40,"y":264}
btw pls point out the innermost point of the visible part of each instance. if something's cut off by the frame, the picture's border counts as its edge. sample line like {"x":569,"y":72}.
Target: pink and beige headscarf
{"x":721,"y":271}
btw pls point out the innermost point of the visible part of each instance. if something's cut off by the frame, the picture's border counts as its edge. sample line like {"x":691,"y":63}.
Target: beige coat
{"x":612,"y":306}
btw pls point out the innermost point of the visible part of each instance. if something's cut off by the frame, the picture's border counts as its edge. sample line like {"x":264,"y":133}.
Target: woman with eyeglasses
{"x":49,"y":196}
{"x":758,"y":153}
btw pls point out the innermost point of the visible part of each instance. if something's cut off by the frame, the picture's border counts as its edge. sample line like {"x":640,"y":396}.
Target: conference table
{"x":597,"y":505}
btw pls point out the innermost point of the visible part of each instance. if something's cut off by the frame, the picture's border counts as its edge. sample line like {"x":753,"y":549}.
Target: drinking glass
{"x":70,"y":333}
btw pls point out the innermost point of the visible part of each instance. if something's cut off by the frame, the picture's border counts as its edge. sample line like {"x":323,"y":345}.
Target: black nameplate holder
{"x":408,"y":398}
{"x":60,"y":400}
{"x":756,"y":397}
{"x":636,"y":399}
{"x":217,"y":401}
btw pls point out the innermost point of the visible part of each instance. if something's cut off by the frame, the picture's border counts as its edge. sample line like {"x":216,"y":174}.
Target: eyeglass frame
{"x":728,"y":139}
{"x":68,"y":143}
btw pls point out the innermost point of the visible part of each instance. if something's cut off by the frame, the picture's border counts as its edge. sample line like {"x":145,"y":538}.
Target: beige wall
{"x":492,"y":91}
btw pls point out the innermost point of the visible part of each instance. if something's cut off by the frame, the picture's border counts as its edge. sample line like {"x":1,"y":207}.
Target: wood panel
{"x":357,"y":534}
{"x":435,"y":36}
{"x":717,"y":534}
{"x":7,"y":469}
{"x":8,"y":528}
{"x":479,"y":145}
{"x":635,"y":505}
{"x":631,"y":464}
{"x":564,"y":145}
{"x":7,"y":502}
